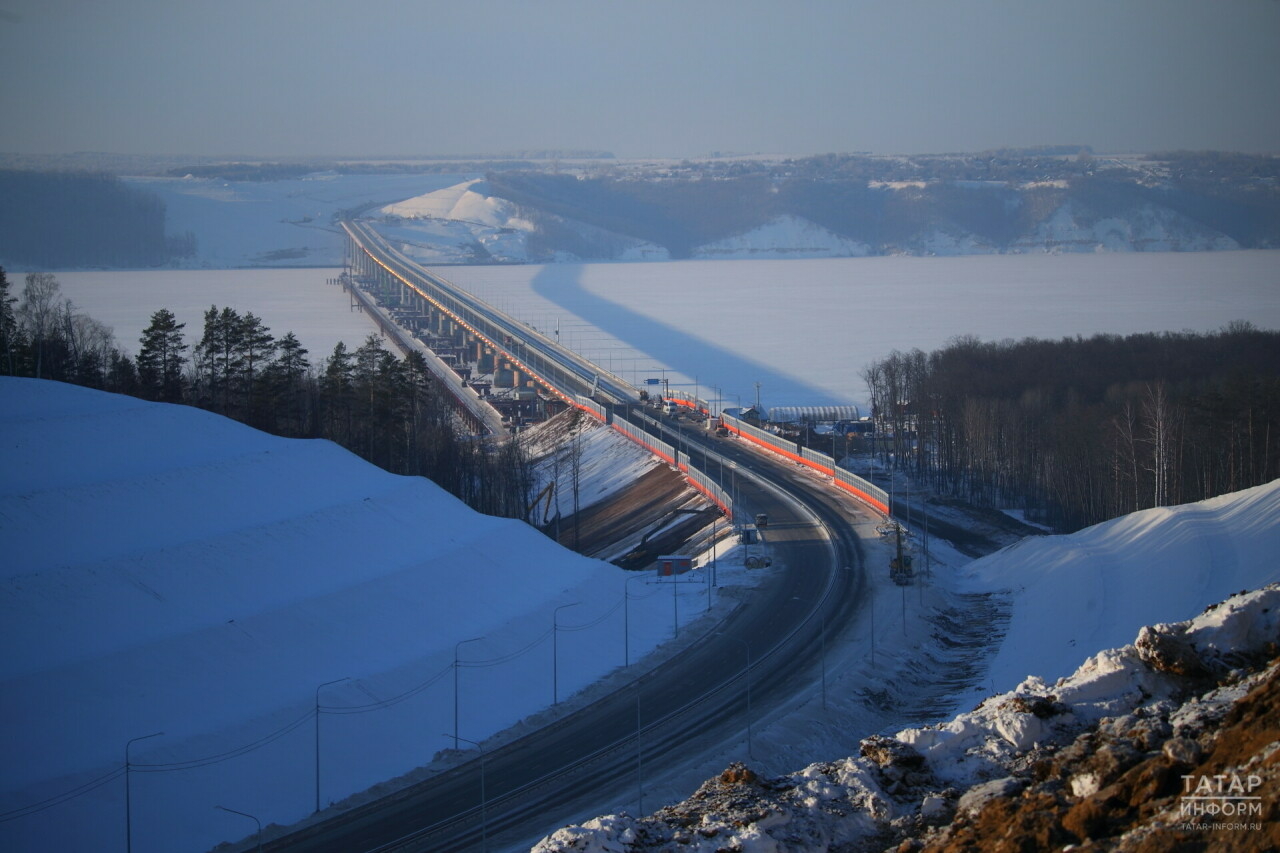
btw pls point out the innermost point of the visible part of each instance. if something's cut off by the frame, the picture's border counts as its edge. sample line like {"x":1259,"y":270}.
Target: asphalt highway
{"x":711,"y":692}
{"x":602,"y":753}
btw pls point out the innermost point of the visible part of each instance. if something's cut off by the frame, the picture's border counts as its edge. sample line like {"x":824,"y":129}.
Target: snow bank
{"x":1095,"y":588}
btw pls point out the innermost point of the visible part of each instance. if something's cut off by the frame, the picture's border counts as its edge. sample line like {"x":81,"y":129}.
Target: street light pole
{"x":746,"y":646}
{"x":326,"y":684}
{"x":714,"y":533}
{"x":128,"y":812}
{"x":251,"y":817}
{"x":675,"y":608}
{"x":626,"y":619}
{"x":484,"y":800}
{"x":639,"y":756}
{"x":456,"y":646}
{"x":823,"y":616}
{"x":555,"y":652}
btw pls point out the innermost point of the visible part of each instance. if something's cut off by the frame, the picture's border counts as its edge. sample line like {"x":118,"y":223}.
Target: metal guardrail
{"x":864,"y":490}
{"x":560,"y":370}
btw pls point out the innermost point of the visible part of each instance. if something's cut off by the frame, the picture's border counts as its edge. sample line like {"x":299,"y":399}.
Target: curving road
{"x":707,"y":694}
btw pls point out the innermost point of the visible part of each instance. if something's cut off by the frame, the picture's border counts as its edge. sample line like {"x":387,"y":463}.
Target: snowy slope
{"x":784,"y":237}
{"x":168,"y":570}
{"x":1144,"y":229}
{"x":1095,"y":588}
{"x":457,"y":224}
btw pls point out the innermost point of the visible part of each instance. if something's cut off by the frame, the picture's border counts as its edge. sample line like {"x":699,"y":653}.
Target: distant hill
{"x":972,"y":204}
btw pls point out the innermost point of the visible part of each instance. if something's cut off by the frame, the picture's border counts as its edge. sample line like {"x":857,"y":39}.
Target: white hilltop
{"x":468,"y":202}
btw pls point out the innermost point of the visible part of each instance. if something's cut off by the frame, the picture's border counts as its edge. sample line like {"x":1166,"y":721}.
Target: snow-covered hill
{"x":1142,"y":229}
{"x":464,"y":223}
{"x":1096,"y":588}
{"x":168,"y":570}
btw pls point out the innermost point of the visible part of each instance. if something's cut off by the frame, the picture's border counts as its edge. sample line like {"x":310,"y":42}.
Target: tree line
{"x":386,"y":409}
{"x":1080,"y":430}
{"x":83,"y":219}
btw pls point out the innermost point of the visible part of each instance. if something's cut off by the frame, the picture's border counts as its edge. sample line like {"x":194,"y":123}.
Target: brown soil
{"x":1143,"y":780}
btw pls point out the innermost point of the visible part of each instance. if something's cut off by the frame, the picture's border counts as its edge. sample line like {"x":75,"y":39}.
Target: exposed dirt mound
{"x":1192,"y":782}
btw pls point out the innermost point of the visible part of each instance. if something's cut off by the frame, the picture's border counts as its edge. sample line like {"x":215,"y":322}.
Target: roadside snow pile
{"x":1095,"y":588}
{"x":1103,"y":753}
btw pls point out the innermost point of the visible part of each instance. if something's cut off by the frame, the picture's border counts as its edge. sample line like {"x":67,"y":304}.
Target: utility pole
{"x":128,"y":811}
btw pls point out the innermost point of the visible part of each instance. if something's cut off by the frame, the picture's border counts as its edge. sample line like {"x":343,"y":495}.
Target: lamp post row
{"x":456,"y":737}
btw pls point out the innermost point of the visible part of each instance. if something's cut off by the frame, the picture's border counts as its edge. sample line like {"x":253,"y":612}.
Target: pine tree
{"x":337,"y":396}
{"x":161,"y":359}
{"x":286,"y":378}
{"x":9,"y":340}
{"x":257,"y":348}
{"x":218,"y":358}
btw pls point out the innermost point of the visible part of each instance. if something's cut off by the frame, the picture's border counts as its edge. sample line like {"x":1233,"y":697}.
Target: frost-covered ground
{"x":168,"y":570}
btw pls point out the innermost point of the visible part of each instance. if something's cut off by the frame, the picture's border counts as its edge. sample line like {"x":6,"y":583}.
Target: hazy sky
{"x":655,"y":78}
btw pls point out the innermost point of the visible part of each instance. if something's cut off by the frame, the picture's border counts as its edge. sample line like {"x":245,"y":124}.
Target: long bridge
{"x":576,"y":766}
{"x":513,"y":350}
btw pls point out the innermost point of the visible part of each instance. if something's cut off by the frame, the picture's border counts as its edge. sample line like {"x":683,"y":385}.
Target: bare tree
{"x":39,"y":308}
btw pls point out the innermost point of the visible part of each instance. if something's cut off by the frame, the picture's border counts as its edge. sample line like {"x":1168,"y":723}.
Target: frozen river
{"x":802,"y":329}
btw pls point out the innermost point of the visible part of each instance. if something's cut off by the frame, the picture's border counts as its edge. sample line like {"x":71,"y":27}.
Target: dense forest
{"x":1081,"y":430}
{"x":83,"y":219}
{"x":383,"y":408}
